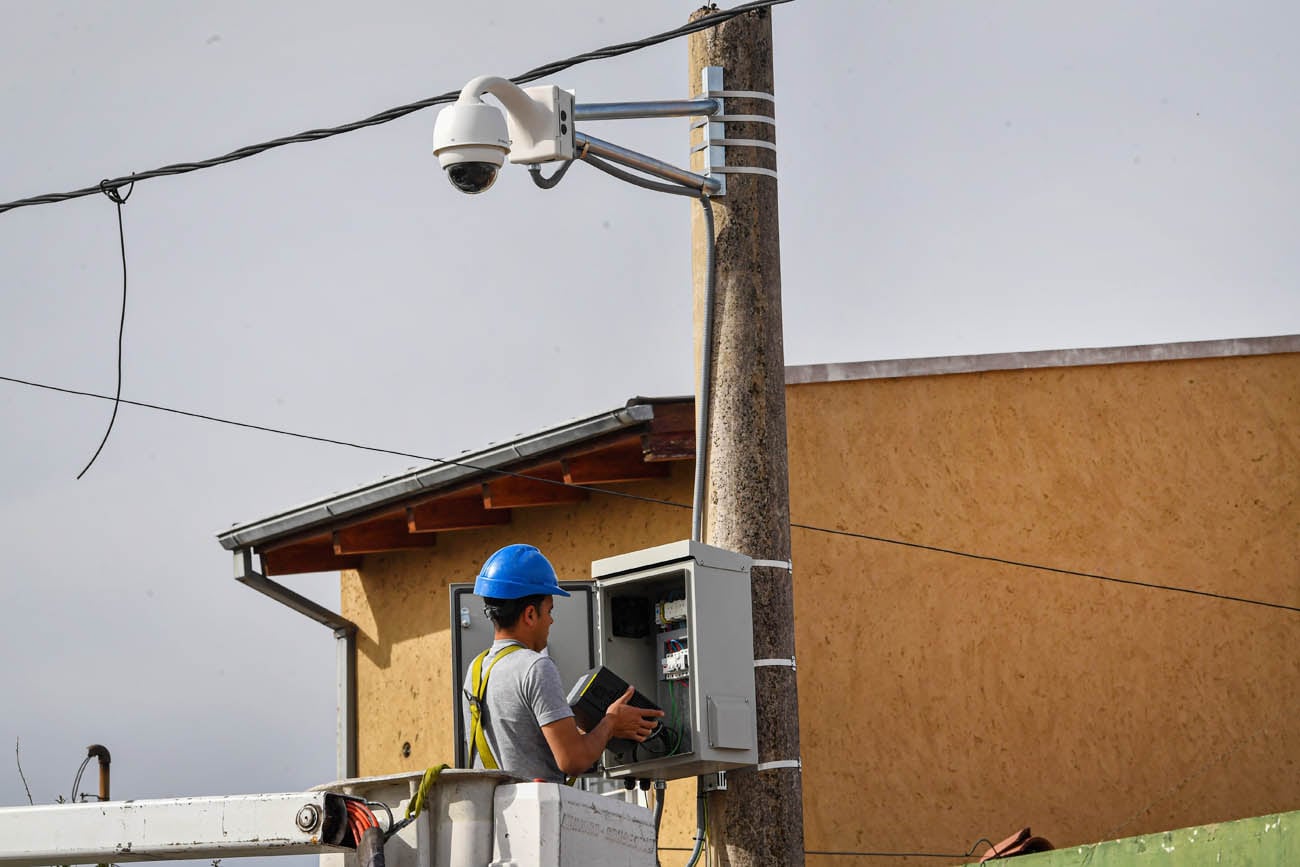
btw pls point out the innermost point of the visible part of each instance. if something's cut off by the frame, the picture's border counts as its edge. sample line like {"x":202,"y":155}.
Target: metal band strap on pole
{"x":787,"y":565}
{"x":745,"y":94}
{"x":715,"y":141}
{"x":736,"y":118}
{"x":777,"y":765}
{"x":736,"y":142}
{"x":776,"y":663}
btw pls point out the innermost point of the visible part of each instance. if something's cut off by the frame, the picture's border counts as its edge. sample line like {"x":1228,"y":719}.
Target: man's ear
{"x":530,"y":615}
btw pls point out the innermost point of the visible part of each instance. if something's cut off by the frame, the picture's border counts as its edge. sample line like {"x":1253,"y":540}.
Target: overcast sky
{"x":955,"y":178}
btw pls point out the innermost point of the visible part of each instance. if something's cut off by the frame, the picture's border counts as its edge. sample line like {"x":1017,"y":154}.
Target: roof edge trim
{"x":942,"y":365}
{"x":442,"y":474}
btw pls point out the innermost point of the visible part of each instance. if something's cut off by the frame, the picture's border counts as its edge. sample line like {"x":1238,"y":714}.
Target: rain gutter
{"x":442,"y":475}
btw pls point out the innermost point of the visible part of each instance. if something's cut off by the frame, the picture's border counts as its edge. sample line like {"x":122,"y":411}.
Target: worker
{"x":518,"y":718}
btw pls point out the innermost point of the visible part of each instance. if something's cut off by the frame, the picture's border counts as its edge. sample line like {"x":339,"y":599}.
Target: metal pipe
{"x":658,"y":108}
{"x":100,"y":752}
{"x":643,"y":163}
{"x":346,"y":644}
{"x":247,"y":575}
{"x":345,"y":631}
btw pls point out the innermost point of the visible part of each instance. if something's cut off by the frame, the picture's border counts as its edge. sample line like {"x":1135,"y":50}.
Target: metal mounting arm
{"x":293,"y":823}
{"x":643,"y":163}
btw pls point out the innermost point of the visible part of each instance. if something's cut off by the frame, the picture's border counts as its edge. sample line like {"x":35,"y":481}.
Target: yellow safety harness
{"x":478,"y":683}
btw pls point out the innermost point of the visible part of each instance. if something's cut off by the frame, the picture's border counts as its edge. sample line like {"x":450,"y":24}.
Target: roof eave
{"x":445,"y":474}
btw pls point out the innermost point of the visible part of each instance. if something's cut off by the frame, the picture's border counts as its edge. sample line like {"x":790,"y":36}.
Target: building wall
{"x":943,"y":698}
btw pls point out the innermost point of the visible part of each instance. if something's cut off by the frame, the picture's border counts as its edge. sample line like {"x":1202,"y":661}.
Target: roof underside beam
{"x":558,"y":477}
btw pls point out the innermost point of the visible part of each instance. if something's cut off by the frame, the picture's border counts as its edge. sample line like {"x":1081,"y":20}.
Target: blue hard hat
{"x":517,"y":571}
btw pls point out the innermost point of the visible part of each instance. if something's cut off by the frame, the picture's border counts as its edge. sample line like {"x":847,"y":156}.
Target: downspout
{"x":345,"y":634}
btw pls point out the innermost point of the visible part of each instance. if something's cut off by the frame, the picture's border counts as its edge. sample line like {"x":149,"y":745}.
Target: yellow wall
{"x":943,"y":699}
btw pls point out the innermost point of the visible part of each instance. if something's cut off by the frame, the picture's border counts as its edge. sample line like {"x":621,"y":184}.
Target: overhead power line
{"x":719,"y":17}
{"x":654,"y":500}
{"x":1006,"y":562}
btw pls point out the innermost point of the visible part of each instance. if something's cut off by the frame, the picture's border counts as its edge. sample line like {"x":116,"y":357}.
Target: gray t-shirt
{"x":524,"y":693}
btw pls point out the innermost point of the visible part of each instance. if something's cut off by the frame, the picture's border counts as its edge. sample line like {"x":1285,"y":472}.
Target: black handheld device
{"x":592,"y":695}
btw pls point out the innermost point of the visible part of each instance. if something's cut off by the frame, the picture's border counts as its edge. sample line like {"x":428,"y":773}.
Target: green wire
{"x":675,"y":721}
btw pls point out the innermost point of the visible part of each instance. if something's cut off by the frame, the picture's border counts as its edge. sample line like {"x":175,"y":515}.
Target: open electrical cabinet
{"x":675,"y":621}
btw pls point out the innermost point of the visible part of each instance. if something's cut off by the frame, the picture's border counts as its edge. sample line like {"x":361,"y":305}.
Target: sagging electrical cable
{"x":702,"y":416}
{"x":701,"y":822}
{"x":718,"y":16}
{"x":705,"y":387}
{"x":535,"y":172}
{"x":661,"y":789}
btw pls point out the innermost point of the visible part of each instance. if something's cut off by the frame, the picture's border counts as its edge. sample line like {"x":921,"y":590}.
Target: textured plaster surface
{"x":945,"y":699}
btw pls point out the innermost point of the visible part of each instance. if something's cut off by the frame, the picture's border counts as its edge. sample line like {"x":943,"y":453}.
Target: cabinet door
{"x":571,"y":642}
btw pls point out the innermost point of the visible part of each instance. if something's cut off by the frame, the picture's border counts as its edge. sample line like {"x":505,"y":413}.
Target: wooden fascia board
{"x":536,"y":486}
{"x":311,"y":555}
{"x":456,"y":512}
{"x":376,"y":537}
{"x":624,"y":462}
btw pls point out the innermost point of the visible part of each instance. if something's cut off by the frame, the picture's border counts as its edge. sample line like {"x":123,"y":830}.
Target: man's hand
{"x":630,"y":722}
{"x":575,"y":750}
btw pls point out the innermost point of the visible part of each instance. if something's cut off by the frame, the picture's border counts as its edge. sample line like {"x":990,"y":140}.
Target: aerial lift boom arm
{"x":291,"y":823}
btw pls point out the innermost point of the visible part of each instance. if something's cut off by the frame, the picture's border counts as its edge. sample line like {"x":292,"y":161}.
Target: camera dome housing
{"x":470,"y":140}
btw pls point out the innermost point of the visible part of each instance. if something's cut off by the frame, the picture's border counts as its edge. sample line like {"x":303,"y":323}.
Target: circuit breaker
{"x":676,"y":622}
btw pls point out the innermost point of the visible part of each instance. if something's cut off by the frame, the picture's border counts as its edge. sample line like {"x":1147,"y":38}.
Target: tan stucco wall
{"x":942,"y":698}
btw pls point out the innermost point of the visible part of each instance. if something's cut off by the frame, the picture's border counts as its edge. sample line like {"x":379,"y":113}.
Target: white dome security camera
{"x":472,"y":139}
{"x":471,"y":142}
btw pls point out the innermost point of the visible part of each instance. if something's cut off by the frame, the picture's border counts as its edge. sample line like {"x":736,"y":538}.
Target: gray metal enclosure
{"x":675,"y":621}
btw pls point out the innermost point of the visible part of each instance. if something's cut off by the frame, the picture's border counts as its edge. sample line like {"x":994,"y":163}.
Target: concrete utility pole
{"x":759,"y":818}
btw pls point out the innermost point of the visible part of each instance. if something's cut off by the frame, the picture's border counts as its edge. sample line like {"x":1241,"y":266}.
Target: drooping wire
{"x":628,"y":495}
{"x":119,"y":199}
{"x":719,"y":17}
{"x":535,"y":172}
{"x":657,"y":500}
{"x":76,"y":782}
{"x":391,"y":823}
{"x":705,"y":383}
{"x":18,"y":760}
{"x":658,"y":187}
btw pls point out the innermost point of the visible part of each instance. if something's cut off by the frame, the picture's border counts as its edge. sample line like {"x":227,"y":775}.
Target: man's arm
{"x":576,"y":751}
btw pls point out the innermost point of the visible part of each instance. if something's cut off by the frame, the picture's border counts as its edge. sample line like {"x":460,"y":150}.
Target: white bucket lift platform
{"x":473,"y":819}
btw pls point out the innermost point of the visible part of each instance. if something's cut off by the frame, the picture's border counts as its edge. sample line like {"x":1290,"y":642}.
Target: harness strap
{"x":478,"y":683}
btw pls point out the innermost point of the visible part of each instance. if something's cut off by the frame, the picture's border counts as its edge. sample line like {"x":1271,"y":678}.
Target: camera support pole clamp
{"x":715,"y":142}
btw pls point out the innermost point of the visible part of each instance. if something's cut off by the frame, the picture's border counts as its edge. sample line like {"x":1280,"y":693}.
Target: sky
{"x":954,"y":179}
